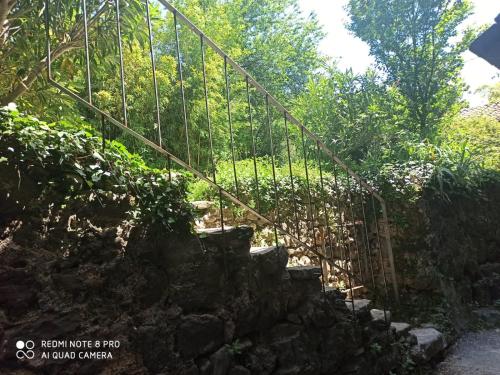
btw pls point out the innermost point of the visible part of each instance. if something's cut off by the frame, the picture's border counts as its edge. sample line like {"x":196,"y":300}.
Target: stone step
{"x":304,"y":272}
{"x":258,"y":251}
{"x":400,"y":329}
{"x":380,"y":315}
{"x":232,"y":237}
{"x":380,"y":320}
{"x":360,"y":305}
{"x":214,"y":230}
{"x":329,"y":290}
{"x":271,"y":260}
{"x":430,"y":342}
{"x":358,"y":291}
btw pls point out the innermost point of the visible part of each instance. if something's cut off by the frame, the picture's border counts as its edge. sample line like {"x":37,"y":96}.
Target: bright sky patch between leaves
{"x":353,"y":53}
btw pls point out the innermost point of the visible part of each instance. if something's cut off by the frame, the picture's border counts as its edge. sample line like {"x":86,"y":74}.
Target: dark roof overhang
{"x":487,"y":45}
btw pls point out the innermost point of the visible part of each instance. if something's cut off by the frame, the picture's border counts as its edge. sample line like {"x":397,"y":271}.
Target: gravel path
{"x":476,"y":353}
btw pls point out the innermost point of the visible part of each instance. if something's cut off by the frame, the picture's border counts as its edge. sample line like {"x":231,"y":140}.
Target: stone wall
{"x":177,"y":303}
{"x":448,"y":253}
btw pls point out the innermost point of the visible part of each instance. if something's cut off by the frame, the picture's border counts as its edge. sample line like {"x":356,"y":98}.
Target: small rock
{"x":430,"y":342}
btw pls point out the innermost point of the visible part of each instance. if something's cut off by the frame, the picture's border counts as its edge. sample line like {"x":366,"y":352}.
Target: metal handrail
{"x":269,"y":101}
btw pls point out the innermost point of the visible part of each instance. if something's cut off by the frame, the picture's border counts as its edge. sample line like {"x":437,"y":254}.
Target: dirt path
{"x":476,"y":353}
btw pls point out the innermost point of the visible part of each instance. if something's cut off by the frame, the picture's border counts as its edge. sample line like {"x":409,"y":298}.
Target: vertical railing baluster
{"x":292,"y":185}
{"x":181,"y":81}
{"x":209,"y":128}
{"x":276,"y":200}
{"x":355,"y":234}
{"x":86,"y":44}
{"x":153,"y":68}
{"x":48,"y":58}
{"x":103,"y":133}
{"x":367,"y":238}
{"x":381,"y":259}
{"x":339,"y":213}
{"x":390,"y":254}
{"x":254,"y":150}
{"x":323,"y":198}
{"x":122,"y":69}
{"x":231,"y":136}
{"x":207,"y":109}
{"x":311,"y":210}
{"x":345,"y":244}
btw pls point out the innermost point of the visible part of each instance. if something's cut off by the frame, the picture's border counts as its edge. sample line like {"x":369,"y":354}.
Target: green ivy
{"x":75,"y":161}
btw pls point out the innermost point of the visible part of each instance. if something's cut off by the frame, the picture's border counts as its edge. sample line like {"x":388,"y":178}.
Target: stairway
{"x":341,"y":221}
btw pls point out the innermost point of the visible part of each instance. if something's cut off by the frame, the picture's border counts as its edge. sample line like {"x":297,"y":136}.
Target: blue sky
{"x":351,"y":52}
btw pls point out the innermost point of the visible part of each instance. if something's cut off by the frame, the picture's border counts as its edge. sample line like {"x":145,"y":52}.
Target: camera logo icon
{"x":25,"y":349}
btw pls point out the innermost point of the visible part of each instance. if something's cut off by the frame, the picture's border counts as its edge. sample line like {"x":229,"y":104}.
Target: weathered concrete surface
{"x":476,"y":353}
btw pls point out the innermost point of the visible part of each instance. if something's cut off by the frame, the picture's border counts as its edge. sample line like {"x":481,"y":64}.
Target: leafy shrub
{"x":451,"y":167}
{"x":292,"y":209}
{"x":480,"y":135}
{"x":73,"y":160}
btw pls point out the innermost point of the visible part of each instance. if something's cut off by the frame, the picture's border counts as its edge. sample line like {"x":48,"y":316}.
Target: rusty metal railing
{"x":340,"y":219}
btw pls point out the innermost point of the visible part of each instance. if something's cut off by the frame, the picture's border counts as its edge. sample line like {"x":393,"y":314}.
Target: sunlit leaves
{"x":72,"y":159}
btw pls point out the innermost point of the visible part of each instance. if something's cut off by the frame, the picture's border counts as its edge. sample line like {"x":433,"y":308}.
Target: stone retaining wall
{"x":177,"y":305}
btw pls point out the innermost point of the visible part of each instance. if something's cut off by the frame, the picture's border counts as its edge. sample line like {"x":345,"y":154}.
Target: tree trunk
{"x":5,"y":7}
{"x":76,"y":40}
{"x":25,"y":83}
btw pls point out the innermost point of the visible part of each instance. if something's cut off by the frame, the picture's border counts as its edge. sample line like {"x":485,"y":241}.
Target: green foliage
{"x":384,"y":124}
{"x":74,"y":161}
{"x":418,"y":46}
{"x":479,"y":135}
{"x":273,"y":40}
{"x":357,"y":116}
{"x":23,"y":48}
{"x":444,"y":169}
{"x":492,"y":92}
{"x":249,"y":191}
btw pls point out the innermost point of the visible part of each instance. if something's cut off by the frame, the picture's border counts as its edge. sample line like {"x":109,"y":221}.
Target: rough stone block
{"x":430,"y":342}
{"x":400,"y":329}
{"x":270,"y":260}
{"x":379,"y":319}
{"x":200,"y":334}
{"x":360,"y":305}
{"x":379,"y":315}
{"x":304,"y":272}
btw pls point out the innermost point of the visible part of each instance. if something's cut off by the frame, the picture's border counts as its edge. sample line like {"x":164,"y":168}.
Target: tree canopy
{"x":418,"y":46}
